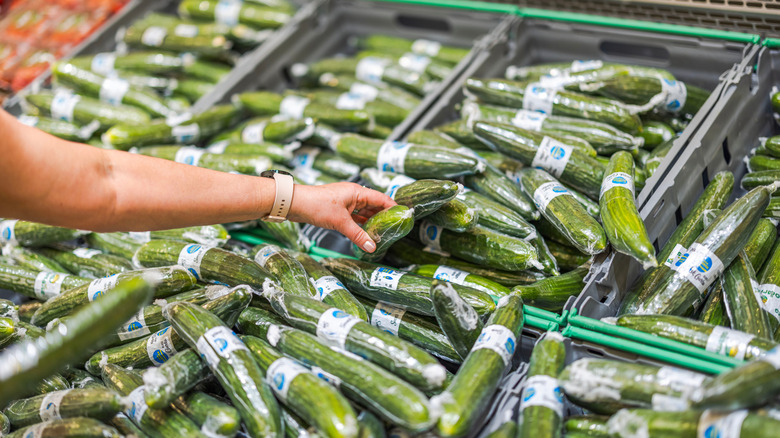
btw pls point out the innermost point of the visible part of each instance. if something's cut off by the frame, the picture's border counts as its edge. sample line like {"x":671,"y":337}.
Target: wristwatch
{"x":284,"y":195}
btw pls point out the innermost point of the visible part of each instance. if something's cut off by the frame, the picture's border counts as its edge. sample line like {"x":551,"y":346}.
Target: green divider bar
{"x":462,"y":4}
{"x":540,"y":323}
{"x":645,"y":350}
{"x":544,"y":314}
{"x":639,"y":25}
{"x":772,"y":43}
{"x":653,"y":340}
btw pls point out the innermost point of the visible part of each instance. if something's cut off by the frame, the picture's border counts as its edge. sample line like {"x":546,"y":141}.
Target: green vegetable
{"x":656,"y":133}
{"x":553,"y":292}
{"x":433,"y":49}
{"x":769,"y":282}
{"x":743,"y":303}
{"x":463,"y":278}
{"x":253,"y":15}
{"x":33,"y":260}
{"x":68,"y":107}
{"x":98,"y":403}
{"x":288,"y":233}
{"x":287,"y":270}
{"x":215,"y":417}
{"x":506,"y":430}
{"x":79,"y":379}
{"x":37,"y":284}
{"x":385,"y":228}
{"x":377,"y":90}
{"x":459,"y":321}
{"x":714,"y":310}
{"x":173,"y":378}
{"x":241,"y":163}
{"x":265,"y":103}
{"x":541,"y":405}
{"x":661,"y":93}
{"x":500,"y":188}
{"x":426,"y":196}
{"x":749,"y":385}
{"x":145,"y":35}
{"x":762,"y":178}
{"x":568,"y":258}
{"x":67,"y":428}
{"x":329,"y":289}
{"x":758,"y":163}
{"x":88,"y":263}
{"x":586,"y":426}
{"x":34,"y":234}
{"x":59,"y":128}
{"x":381,"y":112}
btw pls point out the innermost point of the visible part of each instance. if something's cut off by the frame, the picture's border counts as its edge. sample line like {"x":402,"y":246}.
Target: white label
{"x":414,"y":62}
{"x":555,"y":82}
{"x":720,"y":425}
{"x":538,"y":98}
{"x":28,"y":120}
{"x":386,"y":278}
{"x":140,"y":236}
{"x":547,"y":192}
{"x":86,"y":253}
{"x":446,"y":273}
{"x":387,"y":317}
{"x":293,"y":106}
{"x":326,"y":376}
{"x":186,"y":30}
{"x":773,"y":357}
{"x":396,"y":183}
{"x":617,"y":179}
{"x":499,"y":339}
{"x":768,"y":295}
{"x":62,"y":105}
{"x":50,"y":405}
{"x":366,"y":92}
{"x":138,"y":404}
{"x":253,"y":133}
{"x":426,"y":47}
{"x":134,"y":328}
{"x":7,"y":233}
{"x":349,"y":101}
{"x":113,"y":90}
{"x":530,"y":120}
{"x":590,"y":64}
{"x":262,"y":256}
{"x":219,"y":342}
{"x":191,"y":256}
{"x":304,"y":158}
{"x":226,"y":12}
{"x":675,"y":93}
{"x":218,"y":147}
{"x":154,"y":36}
{"x":430,"y":236}
{"x":98,"y":287}
{"x":49,"y":284}
{"x":189,"y":155}
{"x":371,"y":69}
{"x":281,"y":374}
{"x":544,"y":391}
{"x":728,"y":342}
{"x":326,"y":285}
{"x":186,"y":133}
{"x":391,"y":156}
{"x":334,"y":326}
{"x":103,"y":63}
{"x":676,"y":259}
{"x":552,"y":156}
{"x":159,"y":346}
{"x":678,"y":379}
{"x":701,"y":267}
{"x":177,"y":119}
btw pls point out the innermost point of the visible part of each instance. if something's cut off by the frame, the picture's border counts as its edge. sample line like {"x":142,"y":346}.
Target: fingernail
{"x":369,"y":246}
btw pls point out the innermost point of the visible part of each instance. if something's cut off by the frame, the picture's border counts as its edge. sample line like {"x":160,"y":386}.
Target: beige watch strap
{"x":283,"y":200}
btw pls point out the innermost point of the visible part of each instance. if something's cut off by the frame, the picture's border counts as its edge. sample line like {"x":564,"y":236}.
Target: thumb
{"x":357,"y":235}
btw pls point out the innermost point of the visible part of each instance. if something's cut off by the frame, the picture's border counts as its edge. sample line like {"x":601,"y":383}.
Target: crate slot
{"x":726,"y":153}
{"x":634,"y":51}
{"x":426,"y":23}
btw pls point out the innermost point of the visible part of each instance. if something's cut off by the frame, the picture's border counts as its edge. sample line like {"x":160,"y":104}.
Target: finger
{"x":349,"y":228}
{"x":368,"y":212}
{"x":372,"y":198}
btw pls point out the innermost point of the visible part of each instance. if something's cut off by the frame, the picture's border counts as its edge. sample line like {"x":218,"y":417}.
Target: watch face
{"x":270,"y":173}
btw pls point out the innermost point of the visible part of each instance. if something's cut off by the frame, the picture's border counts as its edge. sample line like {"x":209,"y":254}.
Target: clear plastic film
{"x":386,"y":228}
{"x":457,"y":319}
{"x":289,"y":272}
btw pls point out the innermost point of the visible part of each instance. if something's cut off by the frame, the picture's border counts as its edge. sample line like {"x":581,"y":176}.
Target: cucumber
{"x":58,"y":128}
{"x":120,"y":244}
{"x":759,"y":163}
{"x":447,"y":54}
{"x":36,"y":284}
{"x":656,"y":133}
{"x":329,"y":289}
{"x":657,"y":156}
{"x":582,"y":71}
{"x":619,"y":215}
{"x":680,"y":291}
{"x":6,"y":330}
{"x":426,"y":196}
{"x":714,"y":196}
{"x":80,"y":427}
{"x":5,"y":425}
{"x":186,"y":129}
{"x":171,"y":280}
{"x":113,"y":91}
{"x":553,"y":292}
{"x":215,"y":417}
{"x":434,"y":138}
{"x":773,"y":209}
{"x":212,"y":235}
{"x":459,"y":321}
{"x":582,"y":426}
{"x":605,"y":386}
{"x":541,"y":405}
{"x":713,"y":338}
{"x":204,"y":263}
{"x":86,"y":262}
{"x":590,"y":206}
{"x":287,"y":270}
{"x":33,"y":260}
{"x":265,"y":103}
{"x":381,"y":112}
{"x":148,"y":62}
{"x":663,"y":94}
{"x":27,"y":310}
{"x":368,"y":92}
{"x":277,"y":153}
{"x":533,"y":149}
{"x":456,"y":215}
{"x":499,"y":217}
{"x":54,"y":382}
{"x":568,"y":258}
{"x":153,"y":422}
{"x":768,"y":288}
{"x":126,"y":427}
{"x":772,"y":145}
{"x":510,"y":166}
{"x":327,"y":162}
{"x":33,"y":234}
{"x":79,"y":379}
{"x":28,"y":362}
{"x":564,"y":212}
{"x":761,"y":242}
{"x":66,"y":106}
{"x":500,"y":188}
{"x":388,"y":396}
{"x":627,"y":423}
{"x":295,"y":427}
{"x":240,"y":163}
{"x":385,"y":228}
{"x":467,"y":396}
{"x":256,"y":319}
{"x":347,"y":332}
{"x":252,"y":15}
{"x":144,"y":35}
{"x":97,"y":403}
{"x":414,"y":160}
{"x":463,"y":278}
{"x":8,"y":309}
{"x":743,"y":304}
{"x":534,"y":96}
{"x":288,"y":233}
{"x":191,"y":90}
{"x":173,"y":378}
{"x":506,"y":430}
{"x":749,"y":385}
{"x":462,"y":131}
{"x":714,"y":310}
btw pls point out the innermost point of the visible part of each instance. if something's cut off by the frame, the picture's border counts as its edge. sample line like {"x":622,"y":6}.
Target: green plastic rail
{"x":462,"y":4}
{"x":772,"y":43}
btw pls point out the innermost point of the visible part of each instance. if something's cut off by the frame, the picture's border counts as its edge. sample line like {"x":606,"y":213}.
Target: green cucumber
{"x":241,"y":163}
{"x":173,"y":378}
{"x":447,"y":54}
{"x":126,"y":427}
{"x":582,"y":71}
{"x":713,"y":311}
{"x":97,"y":403}
{"x":27,"y":310}
{"x":28,"y":362}
{"x":385,"y":228}
{"x":40,"y":285}
{"x":86,"y":262}
{"x":546,"y":258}
{"x":719,"y":340}
{"x":499,"y":217}
{"x":120,"y":244}
{"x":287,"y":270}
{"x":433,"y":138}
{"x":758,"y":163}
{"x":256,"y":319}
{"x":212,"y":235}
{"x":465,"y":399}
{"x":772,"y":145}
{"x":743,"y":304}
{"x":619,"y":215}
{"x":51,"y":383}
{"x":69,"y":107}
{"x":768,"y":286}
{"x":33,"y":234}
{"x":31,"y":259}
{"x":7,"y":330}
{"x":253,"y":15}
{"x":295,"y":427}
{"x":500,"y":188}
{"x":381,"y":112}
{"x":568,"y":258}
{"x":207,"y":71}
{"x":553,"y":292}
{"x":506,"y":430}
{"x":657,"y":156}
{"x":663,"y":94}
{"x":172,"y":279}
{"x":462,"y":131}
{"x":80,"y":427}
{"x":5,"y":425}
{"x":591,"y":207}
{"x":630,"y":422}
{"x":79,"y":379}
{"x":459,"y":321}
{"x":8,"y":309}
{"x":148,"y":62}
{"x":288,"y":233}
{"x":510,"y":166}
{"x":593,"y":426}
{"x":369,"y":92}
{"x":215,"y":418}
{"x":456,"y":215}
{"x":144,"y":35}
{"x":412,"y":291}
{"x":541,"y":405}
{"x":58,"y":128}
{"x":326,"y":162}
{"x":277,"y":153}
{"x":329,"y":289}
{"x":265,"y":103}
{"x":426,"y":195}
{"x":463,"y":278}
{"x":191,"y":90}
{"x":761,"y":242}
{"x":773,"y":209}
{"x":656,"y":133}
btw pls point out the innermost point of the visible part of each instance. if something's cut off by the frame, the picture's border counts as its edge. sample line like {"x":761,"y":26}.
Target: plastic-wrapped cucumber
{"x":86,"y":262}
{"x":253,"y":15}
{"x":465,"y":399}
{"x":288,"y":271}
{"x":127,"y":244}
{"x":171,"y":280}
{"x":58,"y":128}
{"x":145,"y":35}
{"x":419,"y":63}
{"x":456,"y":215}
{"x":41,"y":285}
{"x":412,"y":291}
{"x":324,"y":161}
{"x":385,"y":228}
{"x":499,"y":217}
{"x":112,"y":90}
{"x":246,"y":164}
{"x":288,"y":233}
{"x":459,"y":321}
{"x":205,"y":263}
{"x":16,"y":232}
{"x":69,"y":107}
{"x":329,"y":289}
{"x":500,"y":188}
{"x":381,"y":112}
{"x":370,"y":426}
{"x":27,"y":310}
{"x":759,"y":163}
{"x":761,"y":178}
{"x":657,"y":156}
{"x":656,"y":133}
{"x":743,"y":303}
{"x":215,"y":418}
{"x":553,"y":292}
{"x":752,"y":384}
{"x":773,"y":209}
{"x":97,"y":403}
{"x":317,"y":402}
{"x":769,"y":286}
{"x":266,"y":103}
{"x":5,"y":425}
{"x":81,"y":427}
{"x":6,"y":330}
{"x":80,"y":379}
{"x":506,"y":430}
{"x":277,"y":153}
{"x":149,"y":62}
{"x":434,"y":138}
{"x":369,"y":92}
{"x":174,"y":378}
{"x":463,"y":278}
{"x":566,"y":257}
{"x":680,"y":291}
{"x":347,"y":332}
{"x":416,"y":161}
{"x":582,"y":426}
{"x":582,"y":71}
{"x":713,"y":311}
{"x":534,"y":96}
{"x":619,"y":216}
{"x":120,"y":244}
{"x":541,"y":406}
{"x":54,"y":382}
{"x":8,"y":309}
{"x":186,"y":129}
{"x":564,"y":212}
{"x":433,"y":49}
{"x":605,"y":386}
{"x":662,"y":93}
{"x":629,"y":423}
{"x":233,"y":365}
{"x":425,"y":196}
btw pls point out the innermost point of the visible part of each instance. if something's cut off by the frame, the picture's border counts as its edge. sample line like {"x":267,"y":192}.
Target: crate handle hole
{"x":413,"y":21}
{"x":726,"y":153}
{"x":594,"y":352}
{"x":678,"y":216}
{"x":630,"y":50}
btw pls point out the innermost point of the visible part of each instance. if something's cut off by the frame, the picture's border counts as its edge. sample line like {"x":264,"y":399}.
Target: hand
{"x":340,"y":207}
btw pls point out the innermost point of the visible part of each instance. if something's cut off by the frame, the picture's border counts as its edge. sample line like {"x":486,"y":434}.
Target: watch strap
{"x":283,"y":199}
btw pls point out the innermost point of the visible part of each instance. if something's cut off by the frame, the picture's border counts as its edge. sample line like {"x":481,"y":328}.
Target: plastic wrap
{"x":173,"y":378}
{"x":459,"y":321}
{"x":541,"y":403}
{"x":288,"y":272}
{"x":36,"y":284}
{"x":330,"y":290}
{"x":386,"y":228}
{"x":288,"y":233}
{"x":99,"y":403}
{"x":461,"y":277}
